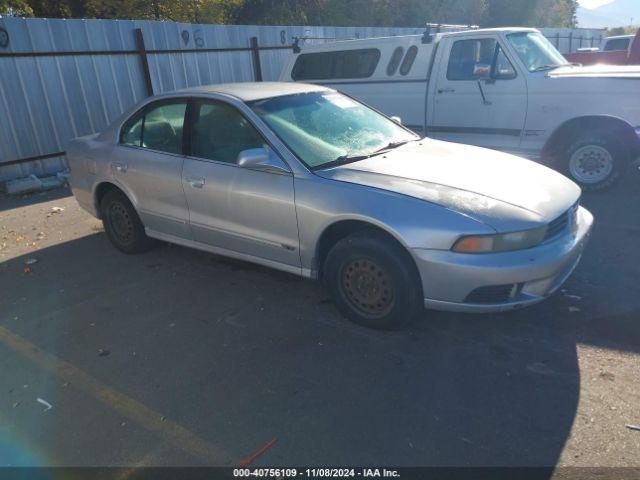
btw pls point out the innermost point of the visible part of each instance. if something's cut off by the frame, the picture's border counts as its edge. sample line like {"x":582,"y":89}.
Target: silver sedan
{"x":304,"y":179}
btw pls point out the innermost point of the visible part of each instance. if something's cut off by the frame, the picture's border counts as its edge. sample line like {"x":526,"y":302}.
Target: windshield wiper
{"x":347,"y":158}
{"x":392,"y":145}
{"x":354,"y":158}
{"x":554,"y":66}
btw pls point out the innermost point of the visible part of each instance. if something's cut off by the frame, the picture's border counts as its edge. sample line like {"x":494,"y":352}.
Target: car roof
{"x":249,"y":91}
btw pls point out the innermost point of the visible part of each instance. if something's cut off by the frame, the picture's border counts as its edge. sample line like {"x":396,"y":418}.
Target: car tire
{"x":373,"y":281}
{"x":595,"y":161}
{"x":123,"y":225}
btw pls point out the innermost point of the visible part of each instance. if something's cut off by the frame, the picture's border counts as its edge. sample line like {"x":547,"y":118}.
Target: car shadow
{"x":242,"y":354}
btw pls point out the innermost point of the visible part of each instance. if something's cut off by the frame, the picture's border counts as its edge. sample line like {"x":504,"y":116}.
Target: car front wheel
{"x":373,"y":282}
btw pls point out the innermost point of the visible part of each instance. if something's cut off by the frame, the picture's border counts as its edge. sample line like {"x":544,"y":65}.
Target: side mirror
{"x":396,"y":119}
{"x":482,"y":71}
{"x":262,"y":159}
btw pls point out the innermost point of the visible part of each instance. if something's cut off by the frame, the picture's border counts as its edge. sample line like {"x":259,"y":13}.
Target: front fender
{"x":414,"y":223}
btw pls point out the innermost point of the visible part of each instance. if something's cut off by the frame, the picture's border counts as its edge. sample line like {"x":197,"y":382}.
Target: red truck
{"x":622,"y":50}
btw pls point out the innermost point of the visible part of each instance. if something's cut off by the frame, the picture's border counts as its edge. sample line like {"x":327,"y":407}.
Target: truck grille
{"x":493,"y":293}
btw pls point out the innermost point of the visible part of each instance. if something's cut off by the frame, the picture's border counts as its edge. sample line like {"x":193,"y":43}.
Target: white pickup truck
{"x":506,"y":88}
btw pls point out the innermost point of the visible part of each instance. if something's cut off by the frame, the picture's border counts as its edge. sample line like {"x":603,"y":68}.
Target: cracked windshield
{"x":327,"y":128}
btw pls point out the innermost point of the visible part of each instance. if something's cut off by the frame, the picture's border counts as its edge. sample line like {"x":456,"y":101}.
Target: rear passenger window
{"x":158,"y":127}
{"x":408,"y":60}
{"x":132,"y":131}
{"x":220,"y":132}
{"x":334,"y":65}
{"x":395,"y":61}
{"x":162,"y":129}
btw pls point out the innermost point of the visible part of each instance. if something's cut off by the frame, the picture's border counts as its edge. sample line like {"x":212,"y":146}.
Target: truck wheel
{"x":123,"y":225}
{"x":373,"y":282}
{"x":595,"y":161}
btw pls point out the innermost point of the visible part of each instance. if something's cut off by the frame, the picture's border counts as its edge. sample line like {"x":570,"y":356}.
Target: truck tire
{"x":595,"y":160}
{"x":373,"y":282}
{"x":123,"y":225}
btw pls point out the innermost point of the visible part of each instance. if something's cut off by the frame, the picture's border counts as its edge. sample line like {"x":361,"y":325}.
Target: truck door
{"x":479,"y":98}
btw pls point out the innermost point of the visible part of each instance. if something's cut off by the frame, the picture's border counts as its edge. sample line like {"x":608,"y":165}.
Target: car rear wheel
{"x":373,"y":282}
{"x":595,"y":161}
{"x":123,"y":225}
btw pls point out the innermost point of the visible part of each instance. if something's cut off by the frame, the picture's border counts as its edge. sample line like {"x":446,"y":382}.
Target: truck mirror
{"x":482,"y":71}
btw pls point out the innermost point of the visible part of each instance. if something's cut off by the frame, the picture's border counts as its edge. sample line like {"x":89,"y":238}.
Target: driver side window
{"x":467,"y":55}
{"x":502,"y":67}
{"x":220,"y":132}
{"x":158,"y":127}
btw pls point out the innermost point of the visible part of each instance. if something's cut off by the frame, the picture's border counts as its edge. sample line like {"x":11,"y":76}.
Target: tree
{"x":612,"y":32}
{"x":58,"y":8}
{"x":537,"y":13}
{"x":391,"y":13}
{"x":15,"y":8}
{"x":554,"y":13}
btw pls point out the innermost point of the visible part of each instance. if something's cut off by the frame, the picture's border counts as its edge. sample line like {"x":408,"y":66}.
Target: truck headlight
{"x":501,"y":242}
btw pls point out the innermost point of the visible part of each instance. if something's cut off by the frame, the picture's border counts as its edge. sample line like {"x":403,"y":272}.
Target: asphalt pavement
{"x":179,"y":357}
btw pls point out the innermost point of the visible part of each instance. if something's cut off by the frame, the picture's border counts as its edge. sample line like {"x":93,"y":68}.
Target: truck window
{"x":408,"y":60}
{"x":502,"y":68}
{"x":466,"y":54}
{"x":617,"y":44}
{"x":334,"y":65}
{"x":392,"y":67}
{"x":535,"y":51}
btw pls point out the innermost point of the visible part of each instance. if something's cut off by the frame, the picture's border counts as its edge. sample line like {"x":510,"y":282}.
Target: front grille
{"x":557,"y":226}
{"x":493,"y":294}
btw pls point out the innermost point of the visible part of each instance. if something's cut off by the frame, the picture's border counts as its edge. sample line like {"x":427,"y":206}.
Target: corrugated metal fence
{"x":60,"y":79}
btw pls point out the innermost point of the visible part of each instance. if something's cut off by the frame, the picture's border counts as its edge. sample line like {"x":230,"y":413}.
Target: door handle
{"x":119,"y":167}
{"x":196,"y":182}
{"x":446,"y":90}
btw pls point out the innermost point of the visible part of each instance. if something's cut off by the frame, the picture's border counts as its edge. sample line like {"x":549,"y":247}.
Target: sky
{"x":593,"y":3}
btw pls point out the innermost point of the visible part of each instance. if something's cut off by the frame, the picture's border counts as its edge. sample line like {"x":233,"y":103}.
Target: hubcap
{"x":121,"y":223}
{"x":367,"y":287}
{"x":591,"y":164}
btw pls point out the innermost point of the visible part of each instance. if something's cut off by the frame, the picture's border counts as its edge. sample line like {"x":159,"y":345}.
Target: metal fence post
{"x":255,"y":55}
{"x":570,"y":41}
{"x":144,"y":61}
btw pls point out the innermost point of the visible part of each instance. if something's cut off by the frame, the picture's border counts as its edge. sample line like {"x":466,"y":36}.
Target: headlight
{"x":502,"y":242}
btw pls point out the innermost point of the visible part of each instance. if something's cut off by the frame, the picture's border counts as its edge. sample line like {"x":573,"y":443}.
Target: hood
{"x":597,"y":71}
{"x":500,"y":190}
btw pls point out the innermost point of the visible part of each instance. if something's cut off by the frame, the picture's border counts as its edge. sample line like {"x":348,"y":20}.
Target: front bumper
{"x":448,"y":278}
